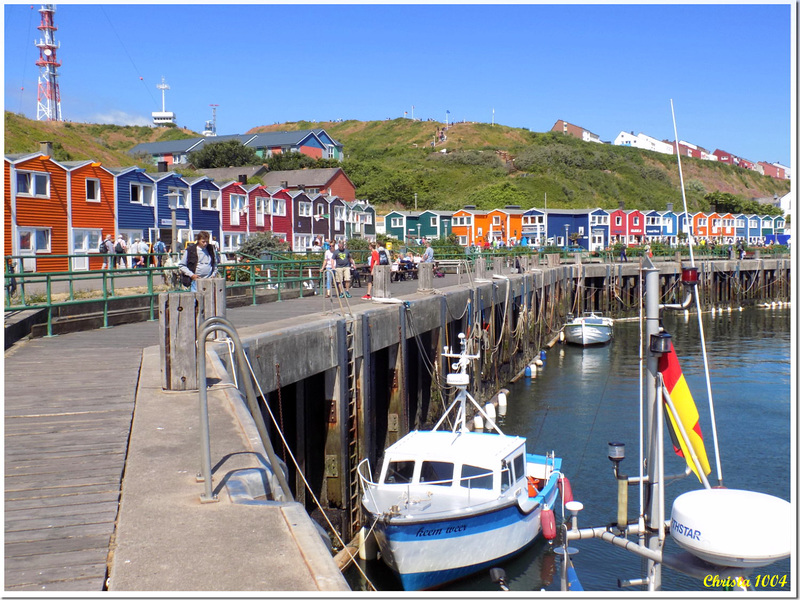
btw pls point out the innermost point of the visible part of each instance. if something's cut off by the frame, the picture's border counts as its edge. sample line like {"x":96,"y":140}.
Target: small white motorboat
{"x":591,"y":328}
{"x":449,"y":503}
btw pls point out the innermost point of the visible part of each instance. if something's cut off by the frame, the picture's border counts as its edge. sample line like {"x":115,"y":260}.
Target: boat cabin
{"x":457,"y":461}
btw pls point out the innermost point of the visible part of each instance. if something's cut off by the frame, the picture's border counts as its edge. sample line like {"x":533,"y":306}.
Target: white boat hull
{"x":585,"y":334}
{"x":426,"y":553}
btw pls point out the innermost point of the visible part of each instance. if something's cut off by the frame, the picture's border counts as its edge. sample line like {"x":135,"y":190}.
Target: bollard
{"x":498,"y":265}
{"x":214,"y":300}
{"x":179,"y":317}
{"x":382,"y":275}
{"x":576,"y":256}
{"x":553,"y":260}
{"x":480,"y":268}
{"x":425,"y":276}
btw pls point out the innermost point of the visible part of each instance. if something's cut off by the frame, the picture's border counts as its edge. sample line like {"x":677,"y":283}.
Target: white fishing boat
{"x":451,"y":502}
{"x":588,"y":329}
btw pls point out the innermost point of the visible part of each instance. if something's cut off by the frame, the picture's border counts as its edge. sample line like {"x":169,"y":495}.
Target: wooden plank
{"x":20,"y":569}
{"x":32,"y":520}
{"x":100,"y":533}
{"x":65,"y":500}
{"x":57,"y":546}
{"x":82,"y":577}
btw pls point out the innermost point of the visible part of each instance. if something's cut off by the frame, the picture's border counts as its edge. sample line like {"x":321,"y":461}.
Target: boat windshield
{"x":476,"y":477}
{"x":436,"y":473}
{"x":400,"y":471}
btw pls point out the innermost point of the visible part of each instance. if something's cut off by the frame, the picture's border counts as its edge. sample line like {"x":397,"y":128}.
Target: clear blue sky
{"x":607,"y":68}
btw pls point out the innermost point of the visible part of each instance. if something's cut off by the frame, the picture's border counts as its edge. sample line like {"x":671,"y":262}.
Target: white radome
{"x":733,"y":528}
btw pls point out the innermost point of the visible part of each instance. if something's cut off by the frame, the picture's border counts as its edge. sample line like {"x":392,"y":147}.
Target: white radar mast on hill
{"x":164,"y":117}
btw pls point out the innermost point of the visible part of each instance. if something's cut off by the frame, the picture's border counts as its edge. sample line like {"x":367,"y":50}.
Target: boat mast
{"x":654,"y":495}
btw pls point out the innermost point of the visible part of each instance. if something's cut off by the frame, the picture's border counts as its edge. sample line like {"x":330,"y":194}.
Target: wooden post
{"x":179,"y":318}
{"x":380,"y":285}
{"x":425,"y":276}
{"x":214,"y":300}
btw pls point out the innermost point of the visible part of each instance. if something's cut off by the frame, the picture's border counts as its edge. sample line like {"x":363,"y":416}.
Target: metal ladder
{"x":353,"y":447}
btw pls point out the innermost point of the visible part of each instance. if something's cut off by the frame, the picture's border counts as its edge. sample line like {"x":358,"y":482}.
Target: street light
{"x":566,"y":236}
{"x":172,"y":198}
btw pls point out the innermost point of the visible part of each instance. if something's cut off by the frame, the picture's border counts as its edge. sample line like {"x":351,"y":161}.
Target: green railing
{"x":112,"y":286}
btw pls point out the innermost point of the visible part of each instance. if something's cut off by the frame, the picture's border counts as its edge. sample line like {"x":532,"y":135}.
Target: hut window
{"x":93,"y":190}
{"x":33,"y":184}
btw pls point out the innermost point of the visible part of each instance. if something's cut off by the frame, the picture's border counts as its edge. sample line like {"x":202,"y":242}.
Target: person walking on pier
{"x":343,"y":263}
{"x":199,"y":260}
{"x":374,"y":259}
{"x":119,"y":252}
{"x":327,"y":269}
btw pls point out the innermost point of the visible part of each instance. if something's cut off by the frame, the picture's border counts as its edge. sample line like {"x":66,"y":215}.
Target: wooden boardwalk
{"x":69,"y":403}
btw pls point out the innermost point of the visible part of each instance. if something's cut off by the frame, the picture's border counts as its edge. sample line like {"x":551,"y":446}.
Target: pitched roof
{"x":306,"y":177}
{"x":225,"y":173}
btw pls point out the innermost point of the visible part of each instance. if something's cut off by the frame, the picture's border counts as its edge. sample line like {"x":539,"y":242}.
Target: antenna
{"x":48,"y":106}
{"x":163,"y":86}
{"x":163,"y":117}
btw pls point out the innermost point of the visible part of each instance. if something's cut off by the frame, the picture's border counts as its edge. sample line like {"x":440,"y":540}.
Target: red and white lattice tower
{"x":49,"y":96}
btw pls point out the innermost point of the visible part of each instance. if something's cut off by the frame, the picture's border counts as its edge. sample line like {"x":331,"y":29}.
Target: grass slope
{"x":485,"y":165}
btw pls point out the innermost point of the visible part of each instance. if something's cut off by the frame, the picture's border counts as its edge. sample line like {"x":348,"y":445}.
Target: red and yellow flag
{"x":678,"y":390}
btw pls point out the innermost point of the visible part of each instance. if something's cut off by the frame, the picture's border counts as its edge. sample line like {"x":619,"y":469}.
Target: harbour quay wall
{"x":342,"y":386}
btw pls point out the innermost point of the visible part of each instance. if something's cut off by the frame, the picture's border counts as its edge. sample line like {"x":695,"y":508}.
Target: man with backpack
{"x":159,"y":249}
{"x":106,"y":247}
{"x":119,"y":251}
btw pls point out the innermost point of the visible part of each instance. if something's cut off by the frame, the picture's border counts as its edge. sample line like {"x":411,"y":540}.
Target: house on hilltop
{"x":315,"y":143}
{"x":575,"y":131}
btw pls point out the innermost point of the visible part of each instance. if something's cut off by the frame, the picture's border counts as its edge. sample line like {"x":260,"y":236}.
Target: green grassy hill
{"x":488,"y":166}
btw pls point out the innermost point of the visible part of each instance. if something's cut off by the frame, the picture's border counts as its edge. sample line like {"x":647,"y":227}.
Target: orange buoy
{"x":565,"y":488}
{"x":533,"y":486}
{"x":548,"y":524}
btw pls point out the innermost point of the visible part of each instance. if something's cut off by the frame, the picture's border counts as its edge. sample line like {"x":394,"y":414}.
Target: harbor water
{"x":584,"y":398}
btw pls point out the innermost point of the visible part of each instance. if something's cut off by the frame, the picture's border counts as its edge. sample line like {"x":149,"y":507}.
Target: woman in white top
{"x":327,"y":271}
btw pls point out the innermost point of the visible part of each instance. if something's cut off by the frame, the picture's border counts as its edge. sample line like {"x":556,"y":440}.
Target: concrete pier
{"x":102,"y":496}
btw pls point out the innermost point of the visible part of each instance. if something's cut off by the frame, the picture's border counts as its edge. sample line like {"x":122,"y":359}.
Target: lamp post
{"x":566,"y":236}
{"x":172,"y":198}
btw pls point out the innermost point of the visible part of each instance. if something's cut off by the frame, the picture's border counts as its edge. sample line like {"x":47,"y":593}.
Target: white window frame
{"x":338,"y":213}
{"x":321,"y":209}
{"x":261,"y":210}
{"x":182,"y":201}
{"x":496,"y":220}
{"x":396,"y":222}
{"x":462,"y":240}
{"x":279,"y":207}
{"x":209,"y":200}
{"x":304,"y":209}
{"x":35,"y":232}
{"x":231,"y":241}
{"x":367,"y":218}
{"x":32,"y":185}
{"x":302,"y":241}
{"x":145,"y":192}
{"x":618,"y":221}
{"x":435,"y":221}
{"x":97,"y":193}
{"x":237,"y":207}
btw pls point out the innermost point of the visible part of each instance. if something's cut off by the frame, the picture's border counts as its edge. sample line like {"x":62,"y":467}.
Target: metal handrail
{"x":206,"y":328}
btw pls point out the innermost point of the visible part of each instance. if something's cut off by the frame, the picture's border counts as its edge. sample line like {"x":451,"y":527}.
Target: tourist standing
{"x":427,"y":257}
{"x":199,"y":260}
{"x":327,"y":269}
{"x":106,"y":248}
{"x":159,"y":248}
{"x":343,"y":262}
{"x":119,"y":250}
{"x":374,"y":260}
